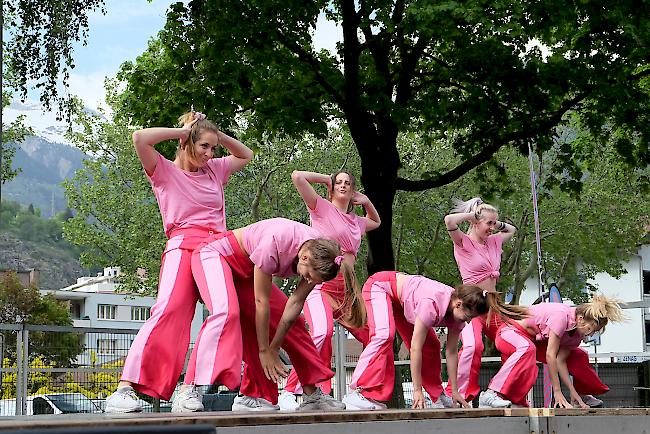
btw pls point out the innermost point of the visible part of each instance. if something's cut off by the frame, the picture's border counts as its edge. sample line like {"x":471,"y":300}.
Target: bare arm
{"x":144,"y":141}
{"x":373,"y":221}
{"x":291,"y":312}
{"x":240,"y":154}
{"x":303,"y":180}
{"x":451,"y":353}
{"x":507,"y":232}
{"x":552,"y":351}
{"x":417,"y":342}
{"x":563,"y":371}
{"x":453,"y":220}
{"x":269,"y":358}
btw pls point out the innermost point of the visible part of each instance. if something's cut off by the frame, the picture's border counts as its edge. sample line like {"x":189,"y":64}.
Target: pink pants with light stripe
{"x":375,"y":371}
{"x":469,"y":356}
{"x":297,"y":343}
{"x":320,"y":311}
{"x":518,"y":374}
{"x":585,"y":379}
{"x":157,"y":355}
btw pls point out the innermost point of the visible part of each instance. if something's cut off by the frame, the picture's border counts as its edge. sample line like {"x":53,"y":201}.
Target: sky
{"x":118,"y":36}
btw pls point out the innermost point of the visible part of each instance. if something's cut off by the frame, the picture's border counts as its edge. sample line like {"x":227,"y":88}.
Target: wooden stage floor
{"x":456,"y":421}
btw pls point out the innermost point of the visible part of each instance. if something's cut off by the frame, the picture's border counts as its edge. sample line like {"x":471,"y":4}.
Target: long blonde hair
{"x":323,"y":255}
{"x":198,"y":128}
{"x":601,"y":310}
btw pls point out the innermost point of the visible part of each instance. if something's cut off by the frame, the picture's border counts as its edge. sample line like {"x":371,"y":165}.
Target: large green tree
{"x":469,"y":71}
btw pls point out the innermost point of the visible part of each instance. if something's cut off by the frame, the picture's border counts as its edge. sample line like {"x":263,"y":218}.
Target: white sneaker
{"x":123,"y":400}
{"x":320,"y":401}
{"x":490,"y":399}
{"x":446,"y":401}
{"x":188,"y":400}
{"x":247,"y":403}
{"x":591,"y":401}
{"x":438,"y":404}
{"x":287,"y":401}
{"x":356,"y":401}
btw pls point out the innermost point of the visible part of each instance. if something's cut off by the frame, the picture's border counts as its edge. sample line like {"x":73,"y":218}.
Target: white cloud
{"x":90,"y":88}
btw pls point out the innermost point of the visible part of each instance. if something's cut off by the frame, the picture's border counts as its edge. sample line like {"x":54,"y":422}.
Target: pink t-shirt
{"x":428,"y":300}
{"x":476,"y":261}
{"x":191,"y":199}
{"x":554,"y":317}
{"x":344,"y":228}
{"x":273,"y":244}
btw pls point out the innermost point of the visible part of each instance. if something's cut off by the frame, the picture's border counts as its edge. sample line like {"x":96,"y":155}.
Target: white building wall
{"x":625,"y":337}
{"x":91,"y":295}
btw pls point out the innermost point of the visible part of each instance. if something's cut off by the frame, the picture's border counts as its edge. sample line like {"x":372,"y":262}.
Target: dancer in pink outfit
{"x":189,"y":191}
{"x":550,"y":335}
{"x":478,"y":255}
{"x":412,"y":306}
{"x":334,"y":219}
{"x":248,"y":258}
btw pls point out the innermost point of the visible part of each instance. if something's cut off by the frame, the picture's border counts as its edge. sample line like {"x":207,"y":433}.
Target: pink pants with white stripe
{"x":157,"y":355}
{"x":469,"y":356}
{"x":518,"y":374}
{"x":375,"y":371}
{"x":585,"y":379}
{"x":297,"y":343}
{"x":320,"y":311}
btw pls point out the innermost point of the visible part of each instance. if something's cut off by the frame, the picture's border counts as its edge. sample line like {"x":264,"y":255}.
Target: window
{"x":106,"y":346}
{"x":75,"y":310}
{"x":646,"y":282}
{"x":41,"y":406}
{"x":106,"y":311}
{"x":140,"y":313}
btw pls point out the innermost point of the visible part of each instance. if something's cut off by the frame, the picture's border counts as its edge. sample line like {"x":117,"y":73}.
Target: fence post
{"x":25,"y":369}
{"x":21,"y":405}
{"x":341,"y":381}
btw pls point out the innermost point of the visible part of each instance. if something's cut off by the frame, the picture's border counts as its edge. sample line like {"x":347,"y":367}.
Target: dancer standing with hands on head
{"x":478,"y":255}
{"x":334,"y":219}
{"x":190,"y":195}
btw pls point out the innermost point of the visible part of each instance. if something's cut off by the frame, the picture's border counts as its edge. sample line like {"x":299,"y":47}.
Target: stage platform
{"x":456,"y":421}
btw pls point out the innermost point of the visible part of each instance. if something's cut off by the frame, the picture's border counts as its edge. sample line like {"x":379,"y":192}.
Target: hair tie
{"x":339,"y":259}
{"x":485,"y":293}
{"x":198,"y":116}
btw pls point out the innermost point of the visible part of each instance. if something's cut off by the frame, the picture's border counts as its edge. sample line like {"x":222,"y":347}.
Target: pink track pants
{"x":320,"y":312}
{"x":157,"y":355}
{"x":297,"y":343}
{"x":375,"y":371}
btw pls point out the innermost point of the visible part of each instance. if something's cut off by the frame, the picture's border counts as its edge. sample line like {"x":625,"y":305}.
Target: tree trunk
{"x":378,"y":175}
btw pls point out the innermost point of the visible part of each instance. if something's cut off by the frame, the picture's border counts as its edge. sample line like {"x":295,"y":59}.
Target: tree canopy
{"x":470,"y":74}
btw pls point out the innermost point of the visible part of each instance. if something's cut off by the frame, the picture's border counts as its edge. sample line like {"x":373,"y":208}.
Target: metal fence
{"x":53,"y":369}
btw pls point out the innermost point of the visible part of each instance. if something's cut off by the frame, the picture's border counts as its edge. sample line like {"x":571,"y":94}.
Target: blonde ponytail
{"x":503,"y":310}
{"x":602,"y":309}
{"x":353,"y":305}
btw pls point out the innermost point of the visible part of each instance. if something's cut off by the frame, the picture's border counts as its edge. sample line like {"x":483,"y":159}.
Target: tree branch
{"x":488,"y":151}
{"x":314,"y":65}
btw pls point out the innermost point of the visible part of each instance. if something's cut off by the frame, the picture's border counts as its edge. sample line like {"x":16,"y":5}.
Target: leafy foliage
{"x":19,"y":305}
{"x":39,"y":49}
{"x":471,"y":74}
